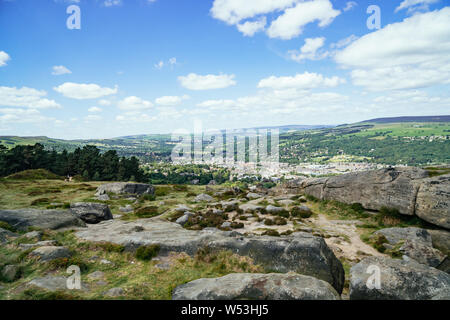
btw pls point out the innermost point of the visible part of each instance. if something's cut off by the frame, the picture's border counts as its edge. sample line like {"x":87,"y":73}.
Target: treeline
{"x":86,"y":162}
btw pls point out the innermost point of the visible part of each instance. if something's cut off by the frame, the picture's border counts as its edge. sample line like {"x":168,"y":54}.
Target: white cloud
{"x":249,"y":28}
{"x":171,"y":100}
{"x":350,"y":5}
{"x":92,"y":117}
{"x":159,"y":65}
{"x":411,"y":54}
{"x":104,"y":102}
{"x":60,"y":70}
{"x":134,"y":103}
{"x":234,"y":11}
{"x":300,"y":81}
{"x":310,"y":50}
{"x":207,"y":82}
{"x":25,"y":97}
{"x":290,"y":24}
{"x":344,"y":42}
{"x":95,"y":109}
{"x":418,"y":4}
{"x":111,"y":3}
{"x":16,"y":115}
{"x":4,"y":57}
{"x":82,"y":91}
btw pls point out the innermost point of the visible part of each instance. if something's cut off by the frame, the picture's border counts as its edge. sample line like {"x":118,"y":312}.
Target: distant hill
{"x":410,"y":119}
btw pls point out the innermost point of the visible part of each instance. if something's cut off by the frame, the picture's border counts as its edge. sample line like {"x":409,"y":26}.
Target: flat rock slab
{"x":125,"y":188}
{"x":299,"y":252}
{"x":248,"y":286}
{"x":399,"y":280}
{"x":22,"y":219}
{"x":52,"y":283}
{"x":395,"y":235}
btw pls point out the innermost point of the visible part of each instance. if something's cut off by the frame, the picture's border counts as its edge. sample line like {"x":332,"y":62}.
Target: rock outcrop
{"x":91,"y":212}
{"x":248,"y":286}
{"x":399,"y":280}
{"x":125,"y":188}
{"x":433,"y":201}
{"x":300,"y":252}
{"x":44,"y":219}
{"x":408,"y":190}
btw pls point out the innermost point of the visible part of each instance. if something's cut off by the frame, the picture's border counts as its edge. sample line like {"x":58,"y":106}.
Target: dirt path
{"x":344,"y":238}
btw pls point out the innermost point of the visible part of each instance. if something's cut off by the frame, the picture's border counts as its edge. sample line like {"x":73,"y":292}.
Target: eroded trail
{"x":344,"y":238}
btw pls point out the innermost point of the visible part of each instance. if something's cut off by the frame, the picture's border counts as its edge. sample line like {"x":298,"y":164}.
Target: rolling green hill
{"x":379,"y":141}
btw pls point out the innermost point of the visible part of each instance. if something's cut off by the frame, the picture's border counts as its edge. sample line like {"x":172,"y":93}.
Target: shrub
{"x":40,"y":201}
{"x":357,"y":207}
{"x":112,"y":247}
{"x":268,"y":222}
{"x":237,"y":225}
{"x":279,"y":221}
{"x":7,"y":226}
{"x":147,"y":212}
{"x":161,"y":191}
{"x":147,"y":252}
{"x":180,"y":187}
{"x":301,"y":212}
{"x":147,"y":197}
{"x":272,"y":233}
{"x":34,"y":174}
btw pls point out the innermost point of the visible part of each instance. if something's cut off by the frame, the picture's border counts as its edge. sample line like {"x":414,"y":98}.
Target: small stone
{"x":10,"y":272}
{"x":103,"y":197}
{"x":252,"y":196}
{"x":226,"y":224}
{"x":97,"y":275}
{"x":203,"y":198}
{"x":115,"y":292}
{"x":126,"y":209}
{"x":104,"y":261}
{"x":34,"y":235}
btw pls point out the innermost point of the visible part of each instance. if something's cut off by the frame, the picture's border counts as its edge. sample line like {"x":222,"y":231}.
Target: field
{"x":411,"y":143}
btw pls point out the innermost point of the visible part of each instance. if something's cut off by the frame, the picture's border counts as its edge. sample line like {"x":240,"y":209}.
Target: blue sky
{"x":140,"y":66}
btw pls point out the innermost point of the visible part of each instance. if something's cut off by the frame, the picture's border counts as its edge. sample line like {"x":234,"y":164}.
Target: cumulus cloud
{"x":104,"y":102}
{"x":414,"y":53}
{"x":310,"y":50}
{"x":171,"y":100}
{"x":234,"y":11}
{"x":300,"y":81}
{"x":292,"y":15}
{"x":60,"y":70}
{"x":25,"y":97}
{"x":83,"y":91}
{"x":291,"y":23}
{"x":413,"y":5}
{"x":95,"y":109}
{"x":207,"y":82}
{"x":134,"y":103}
{"x":4,"y":57}
{"x":249,"y":28}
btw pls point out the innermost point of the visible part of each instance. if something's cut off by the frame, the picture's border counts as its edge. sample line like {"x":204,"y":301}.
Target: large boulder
{"x":49,"y":253}
{"x":44,"y":219}
{"x":413,"y":242}
{"x":396,"y":235}
{"x":248,"y":286}
{"x":300,"y":252}
{"x":399,"y":280}
{"x":441,"y":240}
{"x":91,"y":212}
{"x":433,"y":201}
{"x":422,"y":253}
{"x":393,"y":188}
{"x":125,"y":188}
